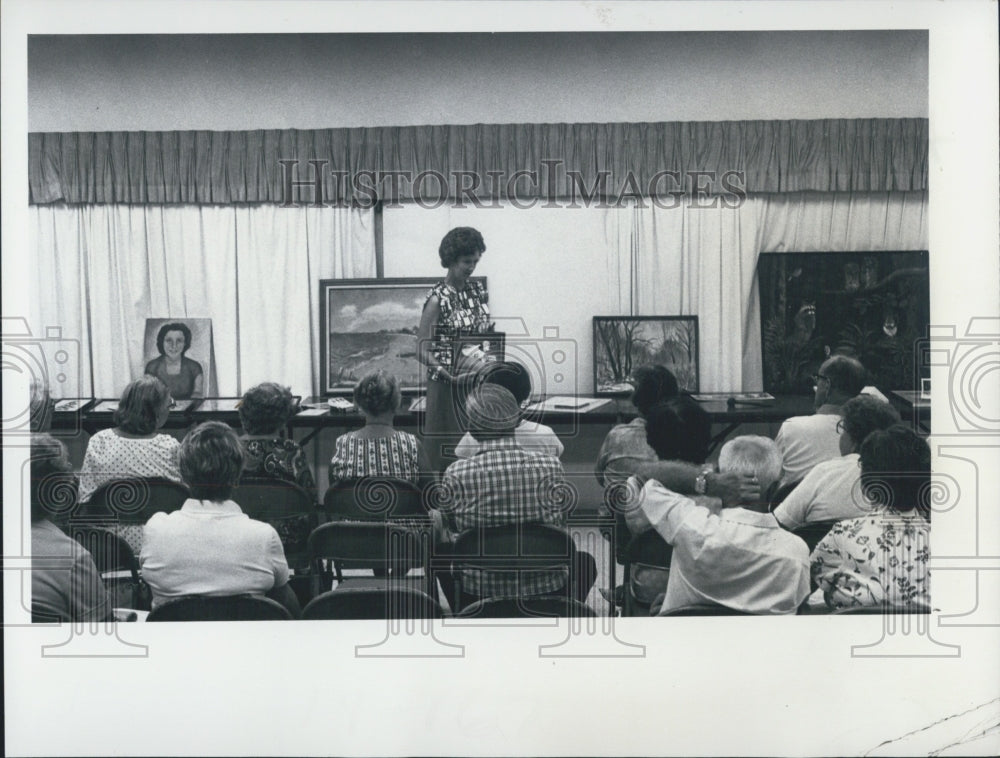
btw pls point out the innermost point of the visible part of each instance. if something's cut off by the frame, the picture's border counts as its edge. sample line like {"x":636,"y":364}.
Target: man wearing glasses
{"x":805,"y":441}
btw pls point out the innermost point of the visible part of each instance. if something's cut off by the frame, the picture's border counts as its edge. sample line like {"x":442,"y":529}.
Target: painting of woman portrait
{"x":183,"y":376}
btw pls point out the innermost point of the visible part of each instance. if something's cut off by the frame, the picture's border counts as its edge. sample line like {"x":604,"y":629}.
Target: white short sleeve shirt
{"x":210,"y":548}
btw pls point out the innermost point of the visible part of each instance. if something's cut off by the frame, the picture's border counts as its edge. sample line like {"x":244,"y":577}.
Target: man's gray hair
{"x":752,"y":454}
{"x":493,"y":412}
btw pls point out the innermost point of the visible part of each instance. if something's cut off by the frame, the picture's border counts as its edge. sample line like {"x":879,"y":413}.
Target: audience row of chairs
{"x":379,"y":526}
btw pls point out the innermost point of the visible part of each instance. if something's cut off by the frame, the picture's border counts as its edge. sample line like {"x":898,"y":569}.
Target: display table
{"x":564,"y":419}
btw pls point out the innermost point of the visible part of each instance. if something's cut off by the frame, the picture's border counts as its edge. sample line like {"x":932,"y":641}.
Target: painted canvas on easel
{"x":623,"y":343}
{"x":178,"y":352}
{"x":871,"y":305}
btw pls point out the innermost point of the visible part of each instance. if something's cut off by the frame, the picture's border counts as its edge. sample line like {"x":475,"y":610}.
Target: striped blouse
{"x":396,"y":457}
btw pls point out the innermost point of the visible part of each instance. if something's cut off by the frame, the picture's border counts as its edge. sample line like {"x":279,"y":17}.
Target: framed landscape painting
{"x":623,"y":343}
{"x":371,"y":324}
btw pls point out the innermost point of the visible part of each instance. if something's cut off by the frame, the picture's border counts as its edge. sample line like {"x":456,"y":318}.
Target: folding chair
{"x":130,"y":503}
{"x":135,"y":500}
{"x":646,"y":558}
{"x":527,"y":607}
{"x":287,"y":507}
{"x":705,"y":609}
{"x":513,"y":548}
{"x":222,"y":608}
{"x":373,"y":498}
{"x":113,"y":556}
{"x":388,"y":547}
{"x":878,"y":610}
{"x":373,"y":603}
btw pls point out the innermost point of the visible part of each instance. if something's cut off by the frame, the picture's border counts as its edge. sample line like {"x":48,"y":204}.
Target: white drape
{"x":700,"y":259}
{"x":101,"y":270}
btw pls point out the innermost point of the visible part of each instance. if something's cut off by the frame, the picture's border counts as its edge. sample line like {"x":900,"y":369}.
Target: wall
{"x":159,"y":82}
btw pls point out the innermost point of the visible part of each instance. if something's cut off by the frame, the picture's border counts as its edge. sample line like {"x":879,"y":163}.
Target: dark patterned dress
{"x":461,"y":311}
{"x":278,"y":458}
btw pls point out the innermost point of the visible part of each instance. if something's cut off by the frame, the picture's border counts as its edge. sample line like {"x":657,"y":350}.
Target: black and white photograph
{"x":558,"y":372}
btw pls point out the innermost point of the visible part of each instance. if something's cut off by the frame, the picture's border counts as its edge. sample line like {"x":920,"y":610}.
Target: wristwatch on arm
{"x":701,"y":481}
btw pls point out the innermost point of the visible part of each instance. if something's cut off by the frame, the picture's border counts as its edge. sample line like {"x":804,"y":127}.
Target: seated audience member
{"x":831,"y":490}
{"x":268,"y":454}
{"x":70,"y":592}
{"x":264,"y":411}
{"x":625,"y":447}
{"x":209,"y":546}
{"x":881,"y":558}
{"x":133,"y":448}
{"x":40,"y":408}
{"x":505,"y":484}
{"x":377,"y":449}
{"x":529,"y":434}
{"x":735,"y":557}
{"x":678,"y":431}
{"x":805,"y":441}
{"x":757,"y":456}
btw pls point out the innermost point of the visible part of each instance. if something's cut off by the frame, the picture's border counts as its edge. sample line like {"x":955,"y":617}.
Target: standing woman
{"x":182,"y":375}
{"x":454,"y":306}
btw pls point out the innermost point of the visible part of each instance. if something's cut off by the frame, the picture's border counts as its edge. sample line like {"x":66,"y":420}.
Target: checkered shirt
{"x":505,"y":484}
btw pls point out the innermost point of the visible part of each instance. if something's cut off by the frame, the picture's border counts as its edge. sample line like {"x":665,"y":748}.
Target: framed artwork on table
{"x":371,"y":324}
{"x":623,"y":343}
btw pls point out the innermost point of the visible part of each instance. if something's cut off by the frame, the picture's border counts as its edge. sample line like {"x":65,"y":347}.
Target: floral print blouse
{"x":877,"y":559}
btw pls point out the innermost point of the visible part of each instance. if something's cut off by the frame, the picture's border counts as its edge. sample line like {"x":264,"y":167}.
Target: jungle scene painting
{"x":873,"y":306}
{"x":623,"y":343}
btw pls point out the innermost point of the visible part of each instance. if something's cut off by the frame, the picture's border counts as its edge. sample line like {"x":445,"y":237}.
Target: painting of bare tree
{"x":623,"y":343}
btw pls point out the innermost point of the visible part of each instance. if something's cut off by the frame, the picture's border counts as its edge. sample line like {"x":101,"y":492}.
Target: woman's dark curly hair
{"x":653,"y":384}
{"x":679,"y":430}
{"x":175,"y":326}
{"x":459,"y":242}
{"x":266,"y":408}
{"x":896,"y":468}
{"x":377,"y":393}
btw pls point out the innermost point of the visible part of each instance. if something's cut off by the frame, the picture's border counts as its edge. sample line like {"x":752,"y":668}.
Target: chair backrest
{"x":373,"y":498}
{"x":371,"y":544}
{"x":705,"y":609}
{"x":649,"y":548}
{"x":373,"y":603}
{"x":814,"y":532}
{"x":647,"y":570}
{"x":272,"y":499}
{"x":225,"y":608}
{"x":110,"y":551}
{"x":526,"y":546}
{"x":878,"y":610}
{"x":617,"y":500}
{"x":527,"y":607}
{"x":134,"y":501}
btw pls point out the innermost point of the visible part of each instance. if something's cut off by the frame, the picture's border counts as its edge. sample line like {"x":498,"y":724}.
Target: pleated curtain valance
{"x":434,"y":164}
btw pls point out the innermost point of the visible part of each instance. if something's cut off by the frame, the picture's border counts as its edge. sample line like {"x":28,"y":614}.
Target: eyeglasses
{"x":817,"y":377}
{"x":840,"y":426}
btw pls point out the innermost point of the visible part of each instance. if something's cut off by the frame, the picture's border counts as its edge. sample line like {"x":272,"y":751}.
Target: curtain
{"x":701,"y":259}
{"x":483,"y":161}
{"x":102,"y":270}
